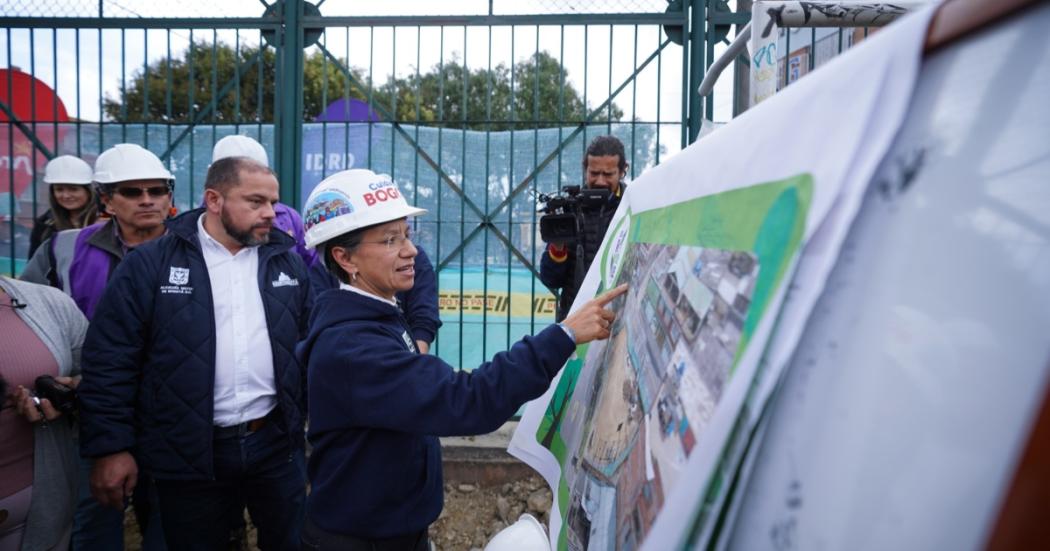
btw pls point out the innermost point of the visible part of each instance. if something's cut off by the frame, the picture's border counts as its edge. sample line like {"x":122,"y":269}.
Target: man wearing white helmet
{"x":420,"y":303}
{"x":189,"y":363}
{"x":286,"y":218}
{"x":376,"y":405}
{"x":136,"y":191}
{"x":71,"y":198}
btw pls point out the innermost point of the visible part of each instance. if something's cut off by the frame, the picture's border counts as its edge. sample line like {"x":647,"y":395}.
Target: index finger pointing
{"x":608,"y":296}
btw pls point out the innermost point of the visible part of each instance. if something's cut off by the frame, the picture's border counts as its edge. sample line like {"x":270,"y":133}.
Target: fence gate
{"x":473,"y":112}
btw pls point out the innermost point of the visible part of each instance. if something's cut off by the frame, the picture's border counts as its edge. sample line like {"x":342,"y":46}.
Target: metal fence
{"x":786,"y":40}
{"x":473,"y":111}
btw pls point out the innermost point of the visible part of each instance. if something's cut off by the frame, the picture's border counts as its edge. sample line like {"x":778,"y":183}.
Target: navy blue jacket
{"x":149,"y":356}
{"x":377,"y":408}
{"x":419,"y":304}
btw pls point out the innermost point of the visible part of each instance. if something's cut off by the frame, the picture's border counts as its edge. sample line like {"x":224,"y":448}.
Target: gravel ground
{"x":472,"y":515}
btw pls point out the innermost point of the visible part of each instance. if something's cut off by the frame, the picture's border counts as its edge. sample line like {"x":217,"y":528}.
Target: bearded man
{"x":190,"y":371}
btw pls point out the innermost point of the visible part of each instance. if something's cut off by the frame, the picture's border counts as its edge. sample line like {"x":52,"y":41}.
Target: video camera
{"x":566,"y":212}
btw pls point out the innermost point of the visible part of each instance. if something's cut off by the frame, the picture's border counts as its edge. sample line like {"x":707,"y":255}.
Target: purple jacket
{"x":78,"y":262}
{"x":288,"y":221}
{"x":95,"y":254}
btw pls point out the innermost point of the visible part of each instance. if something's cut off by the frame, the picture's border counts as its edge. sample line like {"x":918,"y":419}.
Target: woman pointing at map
{"x":376,"y":406}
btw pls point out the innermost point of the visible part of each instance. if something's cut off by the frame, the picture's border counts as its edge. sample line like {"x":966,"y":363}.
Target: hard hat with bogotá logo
{"x":67,"y":169}
{"x":240,"y":146}
{"x":350,"y":200}
{"x":126,"y":162}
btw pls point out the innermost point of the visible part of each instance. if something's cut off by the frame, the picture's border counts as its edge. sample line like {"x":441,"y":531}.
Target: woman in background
{"x":73,"y":203}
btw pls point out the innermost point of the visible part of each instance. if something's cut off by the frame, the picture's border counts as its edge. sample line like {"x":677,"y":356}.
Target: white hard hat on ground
{"x":350,"y":200}
{"x":67,"y":169}
{"x":125,"y":162}
{"x":240,"y":146}
{"x":525,"y":535}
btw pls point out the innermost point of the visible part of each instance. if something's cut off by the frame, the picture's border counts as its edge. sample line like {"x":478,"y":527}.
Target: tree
{"x":170,"y":95}
{"x":537,"y":94}
{"x":173,"y":91}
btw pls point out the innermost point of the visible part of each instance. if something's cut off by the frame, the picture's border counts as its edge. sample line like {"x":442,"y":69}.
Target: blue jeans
{"x":98,"y":528}
{"x":256,"y":469}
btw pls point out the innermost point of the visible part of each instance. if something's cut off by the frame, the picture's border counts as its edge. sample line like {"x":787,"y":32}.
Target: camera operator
{"x":566,"y":262}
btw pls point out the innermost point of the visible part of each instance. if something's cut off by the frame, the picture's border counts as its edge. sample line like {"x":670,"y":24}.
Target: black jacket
{"x":149,"y":356}
{"x":43,"y":229}
{"x":568,"y":273}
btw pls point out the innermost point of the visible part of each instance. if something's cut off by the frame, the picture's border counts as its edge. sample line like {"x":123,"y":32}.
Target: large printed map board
{"x":630,"y":410}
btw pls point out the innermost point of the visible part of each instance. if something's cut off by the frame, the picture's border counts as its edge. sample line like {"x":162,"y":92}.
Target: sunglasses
{"x":136,"y":192}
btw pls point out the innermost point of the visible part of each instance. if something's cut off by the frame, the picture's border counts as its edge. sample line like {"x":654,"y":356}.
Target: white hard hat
{"x":67,"y":169}
{"x":126,"y":161}
{"x":240,"y":146}
{"x":525,"y":535}
{"x":352,"y":199}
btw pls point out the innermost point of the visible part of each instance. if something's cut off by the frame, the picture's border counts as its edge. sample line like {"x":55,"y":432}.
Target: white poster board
{"x":637,"y":433}
{"x":902,"y":414}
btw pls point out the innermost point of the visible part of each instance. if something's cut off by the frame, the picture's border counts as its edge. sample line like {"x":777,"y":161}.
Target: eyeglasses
{"x":136,"y":192}
{"x":392,"y":243}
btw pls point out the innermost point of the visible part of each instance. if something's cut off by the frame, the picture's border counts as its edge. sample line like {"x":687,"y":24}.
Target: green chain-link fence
{"x":473,"y":111}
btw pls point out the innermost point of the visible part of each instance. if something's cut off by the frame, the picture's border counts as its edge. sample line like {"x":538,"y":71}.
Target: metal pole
{"x":742,"y":68}
{"x":289,"y":119}
{"x":736,"y":48}
{"x":697,"y":49}
{"x":767,"y":18}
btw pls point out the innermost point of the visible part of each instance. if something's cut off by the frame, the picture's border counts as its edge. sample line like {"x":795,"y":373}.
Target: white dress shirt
{"x":244,"y":381}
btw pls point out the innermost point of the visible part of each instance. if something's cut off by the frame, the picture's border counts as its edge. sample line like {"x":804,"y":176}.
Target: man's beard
{"x":244,"y":237}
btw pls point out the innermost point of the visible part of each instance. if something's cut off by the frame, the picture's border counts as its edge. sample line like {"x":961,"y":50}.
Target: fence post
{"x":696,"y":48}
{"x":741,"y":71}
{"x":288,"y":122}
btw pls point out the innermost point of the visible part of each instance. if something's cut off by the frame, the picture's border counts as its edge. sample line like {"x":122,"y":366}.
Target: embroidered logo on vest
{"x":284,"y":281}
{"x":179,"y":276}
